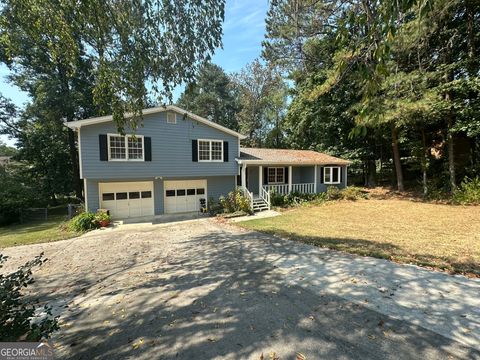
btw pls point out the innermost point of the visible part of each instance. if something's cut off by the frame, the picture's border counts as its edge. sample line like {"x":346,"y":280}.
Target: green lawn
{"x":440,"y":236}
{"x":35,"y":232}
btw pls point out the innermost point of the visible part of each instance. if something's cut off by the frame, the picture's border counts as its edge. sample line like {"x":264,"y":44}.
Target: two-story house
{"x":176,"y":159}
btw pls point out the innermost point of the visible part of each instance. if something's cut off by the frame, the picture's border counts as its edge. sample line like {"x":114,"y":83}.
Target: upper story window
{"x":276,"y":175}
{"x":210,"y":150}
{"x":331,"y":175}
{"x":125,"y":148}
{"x":171,"y":118}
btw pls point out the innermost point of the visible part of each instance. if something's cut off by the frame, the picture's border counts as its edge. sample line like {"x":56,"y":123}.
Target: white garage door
{"x":127,"y":199}
{"x":184,"y":195}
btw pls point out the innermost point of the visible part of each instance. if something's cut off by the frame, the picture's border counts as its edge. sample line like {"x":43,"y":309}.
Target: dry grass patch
{"x":441,"y":236}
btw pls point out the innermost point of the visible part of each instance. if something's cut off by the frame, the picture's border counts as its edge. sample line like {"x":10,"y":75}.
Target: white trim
{"x":174,"y":117}
{"x":243,"y":176}
{"x":209,"y":149}
{"x":331,"y":182}
{"x":126,"y":136}
{"x":85,"y":195}
{"x":276,"y":182}
{"x":80,"y":170}
{"x":279,"y":163}
{"x":260,"y":178}
{"x":102,"y":119}
{"x":315,"y":179}
{"x":290,"y":179}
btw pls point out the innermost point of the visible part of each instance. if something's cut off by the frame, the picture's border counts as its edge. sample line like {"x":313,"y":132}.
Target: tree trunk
{"x":277,"y":130}
{"x":470,"y":20}
{"x":424,"y":163}
{"x":372,"y":173}
{"x":451,"y":151}
{"x":396,"y":159}
{"x":69,"y":116}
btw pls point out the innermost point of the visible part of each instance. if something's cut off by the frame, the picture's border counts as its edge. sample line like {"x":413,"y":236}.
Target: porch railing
{"x":248,"y":195}
{"x":277,"y":189}
{"x":305,"y":188}
{"x":265,"y":195}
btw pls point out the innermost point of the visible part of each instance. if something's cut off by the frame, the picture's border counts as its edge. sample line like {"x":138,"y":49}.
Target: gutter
{"x":265,"y":162}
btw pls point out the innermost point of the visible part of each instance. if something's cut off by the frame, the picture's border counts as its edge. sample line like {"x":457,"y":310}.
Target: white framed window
{"x":276,"y":175}
{"x":171,"y":118}
{"x":210,"y":150}
{"x":126,"y":147}
{"x":331,"y":175}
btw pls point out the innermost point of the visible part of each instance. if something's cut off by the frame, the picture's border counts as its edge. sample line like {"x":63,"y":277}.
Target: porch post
{"x":244,"y":176}
{"x":289,"y":179}
{"x":315,"y":179}
{"x":260,"y":179}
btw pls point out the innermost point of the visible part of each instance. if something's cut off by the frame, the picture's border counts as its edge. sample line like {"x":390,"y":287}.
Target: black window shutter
{"x":341,"y":174}
{"x":195,"y":150}
{"x":321,"y":174}
{"x":285,"y":180}
{"x":148,"y":148}
{"x":265,"y":175}
{"x":102,"y":142}
{"x":225,"y":151}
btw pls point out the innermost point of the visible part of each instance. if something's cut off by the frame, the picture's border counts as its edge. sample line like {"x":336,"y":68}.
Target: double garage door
{"x":135,"y":199}
{"x":184,"y":195}
{"x":127,"y":199}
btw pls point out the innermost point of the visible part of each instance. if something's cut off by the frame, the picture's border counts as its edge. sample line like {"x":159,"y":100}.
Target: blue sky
{"x":243,"y":32}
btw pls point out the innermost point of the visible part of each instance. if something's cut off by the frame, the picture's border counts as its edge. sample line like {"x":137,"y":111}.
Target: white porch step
{"x":259,"y":205}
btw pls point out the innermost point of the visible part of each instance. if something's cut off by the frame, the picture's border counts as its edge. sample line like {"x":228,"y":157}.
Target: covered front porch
{"x":263,"y":172}
{"x":279,"y":179}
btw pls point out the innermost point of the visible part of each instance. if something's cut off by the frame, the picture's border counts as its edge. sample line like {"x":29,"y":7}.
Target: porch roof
{"x":286,"y":156}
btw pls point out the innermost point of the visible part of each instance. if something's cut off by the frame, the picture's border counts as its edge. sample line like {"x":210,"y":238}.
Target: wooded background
{"x":392,"y":86}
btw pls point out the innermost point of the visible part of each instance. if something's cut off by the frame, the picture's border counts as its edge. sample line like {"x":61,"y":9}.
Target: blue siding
{"x":307,"y":174}
{"x":322,"y":187}
{"x":171,"y":151}
{"x":253,"y":176}
{"x":216,"y":187}
{"x":220,"y":186}
{"x":92,"y":195}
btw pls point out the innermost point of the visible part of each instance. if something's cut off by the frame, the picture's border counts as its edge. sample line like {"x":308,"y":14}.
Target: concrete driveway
{"x":205,"y":290}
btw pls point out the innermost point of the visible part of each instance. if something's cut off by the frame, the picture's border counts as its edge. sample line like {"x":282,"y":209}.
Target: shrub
{"x":353,"y":193}
{"x":333,"y":193}
{"x":277,"y":199}
{"x":468,"y":192}
{"x":103,"y":218}
{"x":295,"y":199}
{"x":235,"y":201}
{"x":20,"y":320}
{"x":84,"y":222}
{"x":214,"y":207}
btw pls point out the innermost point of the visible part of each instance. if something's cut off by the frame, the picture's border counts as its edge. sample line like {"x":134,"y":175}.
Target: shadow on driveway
{"x":170,"y":293}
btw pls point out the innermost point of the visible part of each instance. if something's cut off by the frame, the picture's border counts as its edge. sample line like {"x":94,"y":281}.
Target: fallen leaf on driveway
{"x":137,"y":344}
